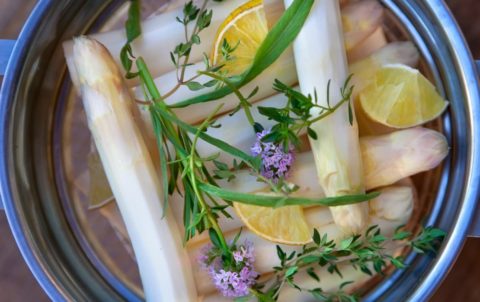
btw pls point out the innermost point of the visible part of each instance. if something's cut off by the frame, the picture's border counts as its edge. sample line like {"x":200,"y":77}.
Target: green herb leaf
{"x":257,"y":127}
{"x":157,"y":128}
{"x":214,"y":238}
{"x":312,"y":133}
{"x":316,"y":237}
{"x":194,"y":86}
{"x":133,"y":30}
{"x":342,"y":286}
{"x":397,"y":262}
{"x":281,"y":254}
{"x":147,"y":79}
{"x":310,"y":259}
{"x":312,"y":274}
{"x":133,"y":25}
{"x":291,"y":271}
{"x":350,"y":114}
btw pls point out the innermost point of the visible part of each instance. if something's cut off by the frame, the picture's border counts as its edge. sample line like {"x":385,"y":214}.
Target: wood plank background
{"x":17,"y":284}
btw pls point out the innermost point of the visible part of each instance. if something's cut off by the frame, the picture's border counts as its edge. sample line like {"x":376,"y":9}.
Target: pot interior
{"x":54,"y":156}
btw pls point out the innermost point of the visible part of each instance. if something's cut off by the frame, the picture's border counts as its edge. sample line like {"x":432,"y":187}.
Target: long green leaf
{"x":277,"y":201}
{"x":147,"y":79}
{"x":276,"y":42}
{"x":157,"y":128}
{"x":133,"y":29}
{"x":133,"y":25}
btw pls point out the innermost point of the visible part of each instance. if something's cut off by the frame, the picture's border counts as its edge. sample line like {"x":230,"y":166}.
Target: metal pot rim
{"x":9,"y":85}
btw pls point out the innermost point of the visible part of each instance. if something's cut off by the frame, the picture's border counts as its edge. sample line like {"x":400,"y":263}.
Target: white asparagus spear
{"x":409,"y":151}
{"x":370,"y":45}
{"x":360,"y":20}
{"x":163,"y":263}
{"x":320,"y":57}
{"x":401,"y":198}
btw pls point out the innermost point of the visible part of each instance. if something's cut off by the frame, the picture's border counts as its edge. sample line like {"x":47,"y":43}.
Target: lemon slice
{"x":246,"y":28}
{"x":285,"y":225}
{"x":401,"y":97}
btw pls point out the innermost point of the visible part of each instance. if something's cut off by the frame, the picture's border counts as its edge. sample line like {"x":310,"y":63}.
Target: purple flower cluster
{"x":276,"y":163}
{"x":238,"y":278}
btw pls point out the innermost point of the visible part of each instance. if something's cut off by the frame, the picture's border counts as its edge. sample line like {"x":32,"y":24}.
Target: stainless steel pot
{"x":34,"y":94}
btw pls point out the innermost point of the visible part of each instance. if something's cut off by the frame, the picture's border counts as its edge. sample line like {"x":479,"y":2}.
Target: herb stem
{"x":147,"y":79}
{"x":193,"y":179}
{"x":179,"y":84}
{"x":329,"y":112}
{"x":194,"y":32}
{"x":243,"y":101}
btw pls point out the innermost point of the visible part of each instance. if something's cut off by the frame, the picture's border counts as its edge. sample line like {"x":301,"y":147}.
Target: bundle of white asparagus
{"x":336,"y":159}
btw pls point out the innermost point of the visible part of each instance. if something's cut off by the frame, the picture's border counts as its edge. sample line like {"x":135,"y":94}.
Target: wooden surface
{"x":17,"y":284}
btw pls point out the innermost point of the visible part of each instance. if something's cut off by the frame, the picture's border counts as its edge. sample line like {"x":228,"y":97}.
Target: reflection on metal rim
{"x":446,"y":49}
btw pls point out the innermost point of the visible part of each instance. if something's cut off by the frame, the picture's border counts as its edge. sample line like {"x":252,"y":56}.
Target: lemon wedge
{"x":401,"y":97}
{"x":244,"y":29}
{"x":285,"y":225}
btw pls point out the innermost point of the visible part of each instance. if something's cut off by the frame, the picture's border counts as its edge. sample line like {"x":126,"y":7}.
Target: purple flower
{"x":236,"y":279}
{"x":276,"y":163}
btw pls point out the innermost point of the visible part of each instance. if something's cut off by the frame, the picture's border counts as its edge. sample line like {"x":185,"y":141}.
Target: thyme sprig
{"x":180,"y":56}
{"x":369,"y":253}
{"x":297,"y":115}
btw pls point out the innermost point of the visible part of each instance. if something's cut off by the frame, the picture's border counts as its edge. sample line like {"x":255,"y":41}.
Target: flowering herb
{"x":232,"y":277}
{"x":276,"y":163}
